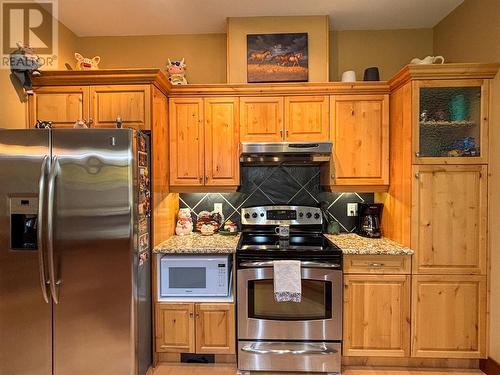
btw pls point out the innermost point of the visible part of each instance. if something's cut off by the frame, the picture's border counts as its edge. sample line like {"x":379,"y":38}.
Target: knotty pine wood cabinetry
{"x":360,"y":137}
{"x":302,"y":113}
{"x":293,"y":119}
{"x":102,"y":105}
{"x":450,"y":219}
{"x":306,"y":119}
{"x":130,"y":103}
{"x":204,"y":143}
{"x":201,"y":328}
{"x":377,"y":306}
{"x":137,"y":96}
{"x":63,"y":105}
{"x":449,"y":316}
{"x":437,"y":203}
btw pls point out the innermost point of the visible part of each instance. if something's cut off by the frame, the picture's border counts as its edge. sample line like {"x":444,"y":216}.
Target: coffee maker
{"x":369,"y":217}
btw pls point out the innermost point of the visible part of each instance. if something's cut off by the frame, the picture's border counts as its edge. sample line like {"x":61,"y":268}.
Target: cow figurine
{"x":176,"y":70}
{"x":84,"y":63}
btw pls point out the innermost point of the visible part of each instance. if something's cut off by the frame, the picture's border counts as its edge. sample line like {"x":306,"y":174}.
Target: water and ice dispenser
{"x":23,"y":223}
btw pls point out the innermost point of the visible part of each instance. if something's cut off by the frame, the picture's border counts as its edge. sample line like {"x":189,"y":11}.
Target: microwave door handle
{"x":44,"y":282}
{"x":307,"y":264}
{"x":54,"y":169}
{"x":322,"y":350}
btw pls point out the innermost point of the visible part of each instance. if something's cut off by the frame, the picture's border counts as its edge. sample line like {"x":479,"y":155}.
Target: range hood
{"x":295,"y":153}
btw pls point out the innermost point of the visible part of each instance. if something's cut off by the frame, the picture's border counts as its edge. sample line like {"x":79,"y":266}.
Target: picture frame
{"x":277,"y":57}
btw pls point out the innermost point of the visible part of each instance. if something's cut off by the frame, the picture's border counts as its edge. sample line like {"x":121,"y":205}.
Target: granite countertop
{"x":352,"y":244}
{"x":196,"y":243}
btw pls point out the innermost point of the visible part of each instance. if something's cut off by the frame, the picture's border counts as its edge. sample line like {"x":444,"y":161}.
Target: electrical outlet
{"x":352,"y":209}
{"x":218,"y":207}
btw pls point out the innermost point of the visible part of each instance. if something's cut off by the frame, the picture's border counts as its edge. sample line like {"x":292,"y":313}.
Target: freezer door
{"x":93,"y":251}
{"x":25,"y":317}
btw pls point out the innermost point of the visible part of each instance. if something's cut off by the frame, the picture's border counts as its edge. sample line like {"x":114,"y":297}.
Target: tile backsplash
{"x":299,"y":185}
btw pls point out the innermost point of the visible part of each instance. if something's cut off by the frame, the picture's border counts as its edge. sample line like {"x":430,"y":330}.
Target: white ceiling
{"x":156,"y":17}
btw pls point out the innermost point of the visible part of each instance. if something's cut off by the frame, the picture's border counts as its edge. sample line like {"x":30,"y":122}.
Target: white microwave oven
{"x":194,"y":276}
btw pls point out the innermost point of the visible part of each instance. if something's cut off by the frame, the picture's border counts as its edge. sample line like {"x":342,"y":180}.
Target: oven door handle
{"x":305,"y":264}
{"x":316,"y":349}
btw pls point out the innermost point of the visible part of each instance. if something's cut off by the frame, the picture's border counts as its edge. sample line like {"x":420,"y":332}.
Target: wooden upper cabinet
{"x":175,"y":328}
{"x":360,"y":126}
{"x":187,"y":161}
{"x":306,"y":118}
{"x":62,"y":105}
{"x":451,"y":121}
{"x":261,"y":119}
{"x":449,"y":232}
{"x":215,"y":328}
{"x":131,"y":103}
{"x":222,"y":141}
{"x":449,"y":316}
{"x":377,"y":315}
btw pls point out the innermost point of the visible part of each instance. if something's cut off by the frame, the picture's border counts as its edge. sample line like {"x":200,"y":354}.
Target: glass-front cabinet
{"x":452,"y":122}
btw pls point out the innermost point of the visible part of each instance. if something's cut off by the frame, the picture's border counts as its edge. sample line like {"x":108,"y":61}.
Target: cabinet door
{"x":131,"y":103}
{"x":449,"y":316}
{"x":377,"y":315}
{"x":449,"y":232}
{"x":306,"y":118}
{"x":360,"y":139}
{"x":261,"y":119}
{"x":187,"y":162}
{"x":451,"y":121}
{"x":61,"y":105}
{"x":175,"y":328}
{"x":222,"y":141}
{"x":215,"y":328}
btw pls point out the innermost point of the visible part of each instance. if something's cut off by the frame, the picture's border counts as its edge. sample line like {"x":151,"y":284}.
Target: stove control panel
{"x":275,"y":215}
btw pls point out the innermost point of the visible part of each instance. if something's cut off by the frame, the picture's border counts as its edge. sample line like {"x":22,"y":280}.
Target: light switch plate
{"x":352,"y":209}
{"x":218,"y":207}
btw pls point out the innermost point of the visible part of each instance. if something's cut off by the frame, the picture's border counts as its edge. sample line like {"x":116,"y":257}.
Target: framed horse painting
{"x":277,"y":58}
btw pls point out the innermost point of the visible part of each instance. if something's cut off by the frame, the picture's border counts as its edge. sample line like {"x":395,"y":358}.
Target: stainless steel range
{"x":288,"y":336}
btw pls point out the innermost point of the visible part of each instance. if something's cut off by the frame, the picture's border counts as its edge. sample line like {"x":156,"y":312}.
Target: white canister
{"x":349,"y":76}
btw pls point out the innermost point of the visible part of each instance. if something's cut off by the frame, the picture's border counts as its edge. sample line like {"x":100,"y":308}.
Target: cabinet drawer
{"x":394,"y":264}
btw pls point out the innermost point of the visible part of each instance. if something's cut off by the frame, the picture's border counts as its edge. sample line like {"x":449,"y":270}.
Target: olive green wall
{"x":471,"y":33}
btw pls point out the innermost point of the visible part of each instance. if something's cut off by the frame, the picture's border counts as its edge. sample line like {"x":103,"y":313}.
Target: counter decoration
{"x":209,"y":222}
{"x":184,"y":222}
{"x":176,"y":70}
{"x":24,"y":63}
{"x":84,"y":63}
{"x":230,"y":226}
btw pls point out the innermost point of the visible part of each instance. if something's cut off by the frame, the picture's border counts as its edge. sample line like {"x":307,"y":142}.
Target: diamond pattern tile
{"x":298,"y":185}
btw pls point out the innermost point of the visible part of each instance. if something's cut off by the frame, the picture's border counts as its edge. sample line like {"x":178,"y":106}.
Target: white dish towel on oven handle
{"x":287,"y":281}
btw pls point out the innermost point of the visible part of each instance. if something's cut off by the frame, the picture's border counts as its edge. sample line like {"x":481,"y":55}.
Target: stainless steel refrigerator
{"x":74,"y":252}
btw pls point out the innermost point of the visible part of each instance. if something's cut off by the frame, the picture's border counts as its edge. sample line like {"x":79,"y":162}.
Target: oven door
{"x":317,"y":317}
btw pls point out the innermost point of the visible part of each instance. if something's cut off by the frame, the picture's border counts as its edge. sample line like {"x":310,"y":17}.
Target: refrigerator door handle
{"x":41,"y":222}
{"x":54,"y":169}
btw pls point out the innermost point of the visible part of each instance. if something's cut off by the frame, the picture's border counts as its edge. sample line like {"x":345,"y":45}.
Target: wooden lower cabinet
{"x":175,"y":328}
{"x":195,"y":328}
{"x":377,"y":315}
{"x":215,"y":328}
{"x":449,"y":316}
